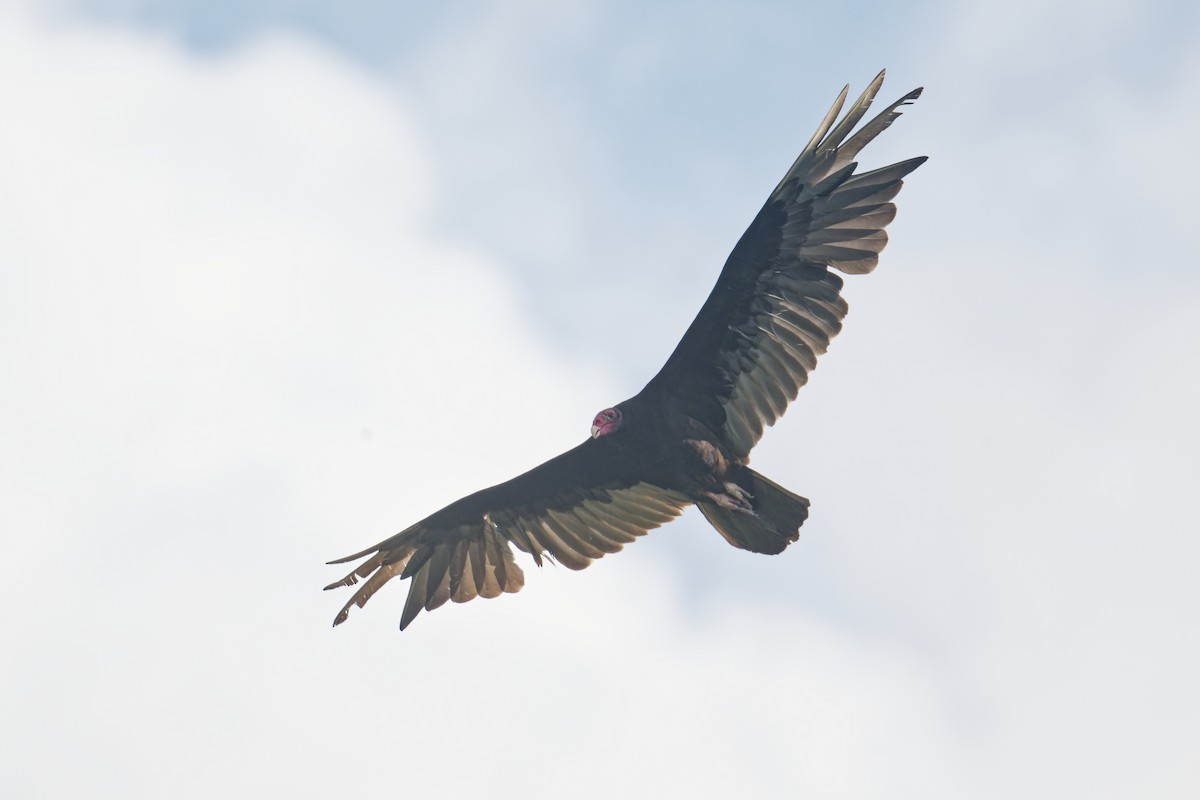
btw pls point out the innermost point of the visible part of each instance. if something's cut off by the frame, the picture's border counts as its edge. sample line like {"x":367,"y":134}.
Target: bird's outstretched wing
{"x":777,"y":305}
{"x":574,"y":508}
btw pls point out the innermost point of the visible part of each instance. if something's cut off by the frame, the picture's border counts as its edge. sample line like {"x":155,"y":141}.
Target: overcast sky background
{"x":278,"y":279}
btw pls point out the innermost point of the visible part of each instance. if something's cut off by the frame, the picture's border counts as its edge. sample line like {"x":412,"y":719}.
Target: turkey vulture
{"x":686,"y":437}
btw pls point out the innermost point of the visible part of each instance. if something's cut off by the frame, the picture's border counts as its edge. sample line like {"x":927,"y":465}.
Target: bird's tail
{"x":772,"y":525}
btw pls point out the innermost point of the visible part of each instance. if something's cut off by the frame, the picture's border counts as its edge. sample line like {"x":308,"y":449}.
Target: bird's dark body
{"x":685,"y":439}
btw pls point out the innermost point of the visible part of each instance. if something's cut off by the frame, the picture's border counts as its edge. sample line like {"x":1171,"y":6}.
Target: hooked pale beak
{"x":606,"y":422}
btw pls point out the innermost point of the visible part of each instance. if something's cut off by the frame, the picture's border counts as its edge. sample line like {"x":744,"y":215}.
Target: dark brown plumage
{"x":686,"y":437}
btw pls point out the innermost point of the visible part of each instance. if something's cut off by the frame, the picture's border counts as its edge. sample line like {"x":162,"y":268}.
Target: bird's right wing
{"x":574,"y":508}
{"x":777,"y":304}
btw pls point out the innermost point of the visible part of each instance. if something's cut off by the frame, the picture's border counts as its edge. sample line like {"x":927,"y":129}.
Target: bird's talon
{"x":731,"y":502}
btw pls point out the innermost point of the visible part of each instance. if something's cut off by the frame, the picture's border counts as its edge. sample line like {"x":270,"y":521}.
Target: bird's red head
{"x":606,"y":422}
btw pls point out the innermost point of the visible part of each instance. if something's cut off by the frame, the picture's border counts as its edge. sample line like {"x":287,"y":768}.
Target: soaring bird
{"x":686,"y":437}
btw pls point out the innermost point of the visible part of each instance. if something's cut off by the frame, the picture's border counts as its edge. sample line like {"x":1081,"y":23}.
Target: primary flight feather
{"x":686,"y":437}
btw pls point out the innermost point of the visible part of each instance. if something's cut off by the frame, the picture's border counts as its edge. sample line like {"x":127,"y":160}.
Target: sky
{"x":278,"y":279}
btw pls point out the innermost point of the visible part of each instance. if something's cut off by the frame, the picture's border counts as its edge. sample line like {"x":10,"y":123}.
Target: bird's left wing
{"x":574,"y":508}
{"x":776,"y":304}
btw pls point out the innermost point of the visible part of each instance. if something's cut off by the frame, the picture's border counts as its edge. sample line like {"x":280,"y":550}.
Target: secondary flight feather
{"x":686,"y":437}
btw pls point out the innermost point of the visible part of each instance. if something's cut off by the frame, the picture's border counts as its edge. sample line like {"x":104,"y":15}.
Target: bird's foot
{"x":734,"y":498}
{"x":738,"y":493}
